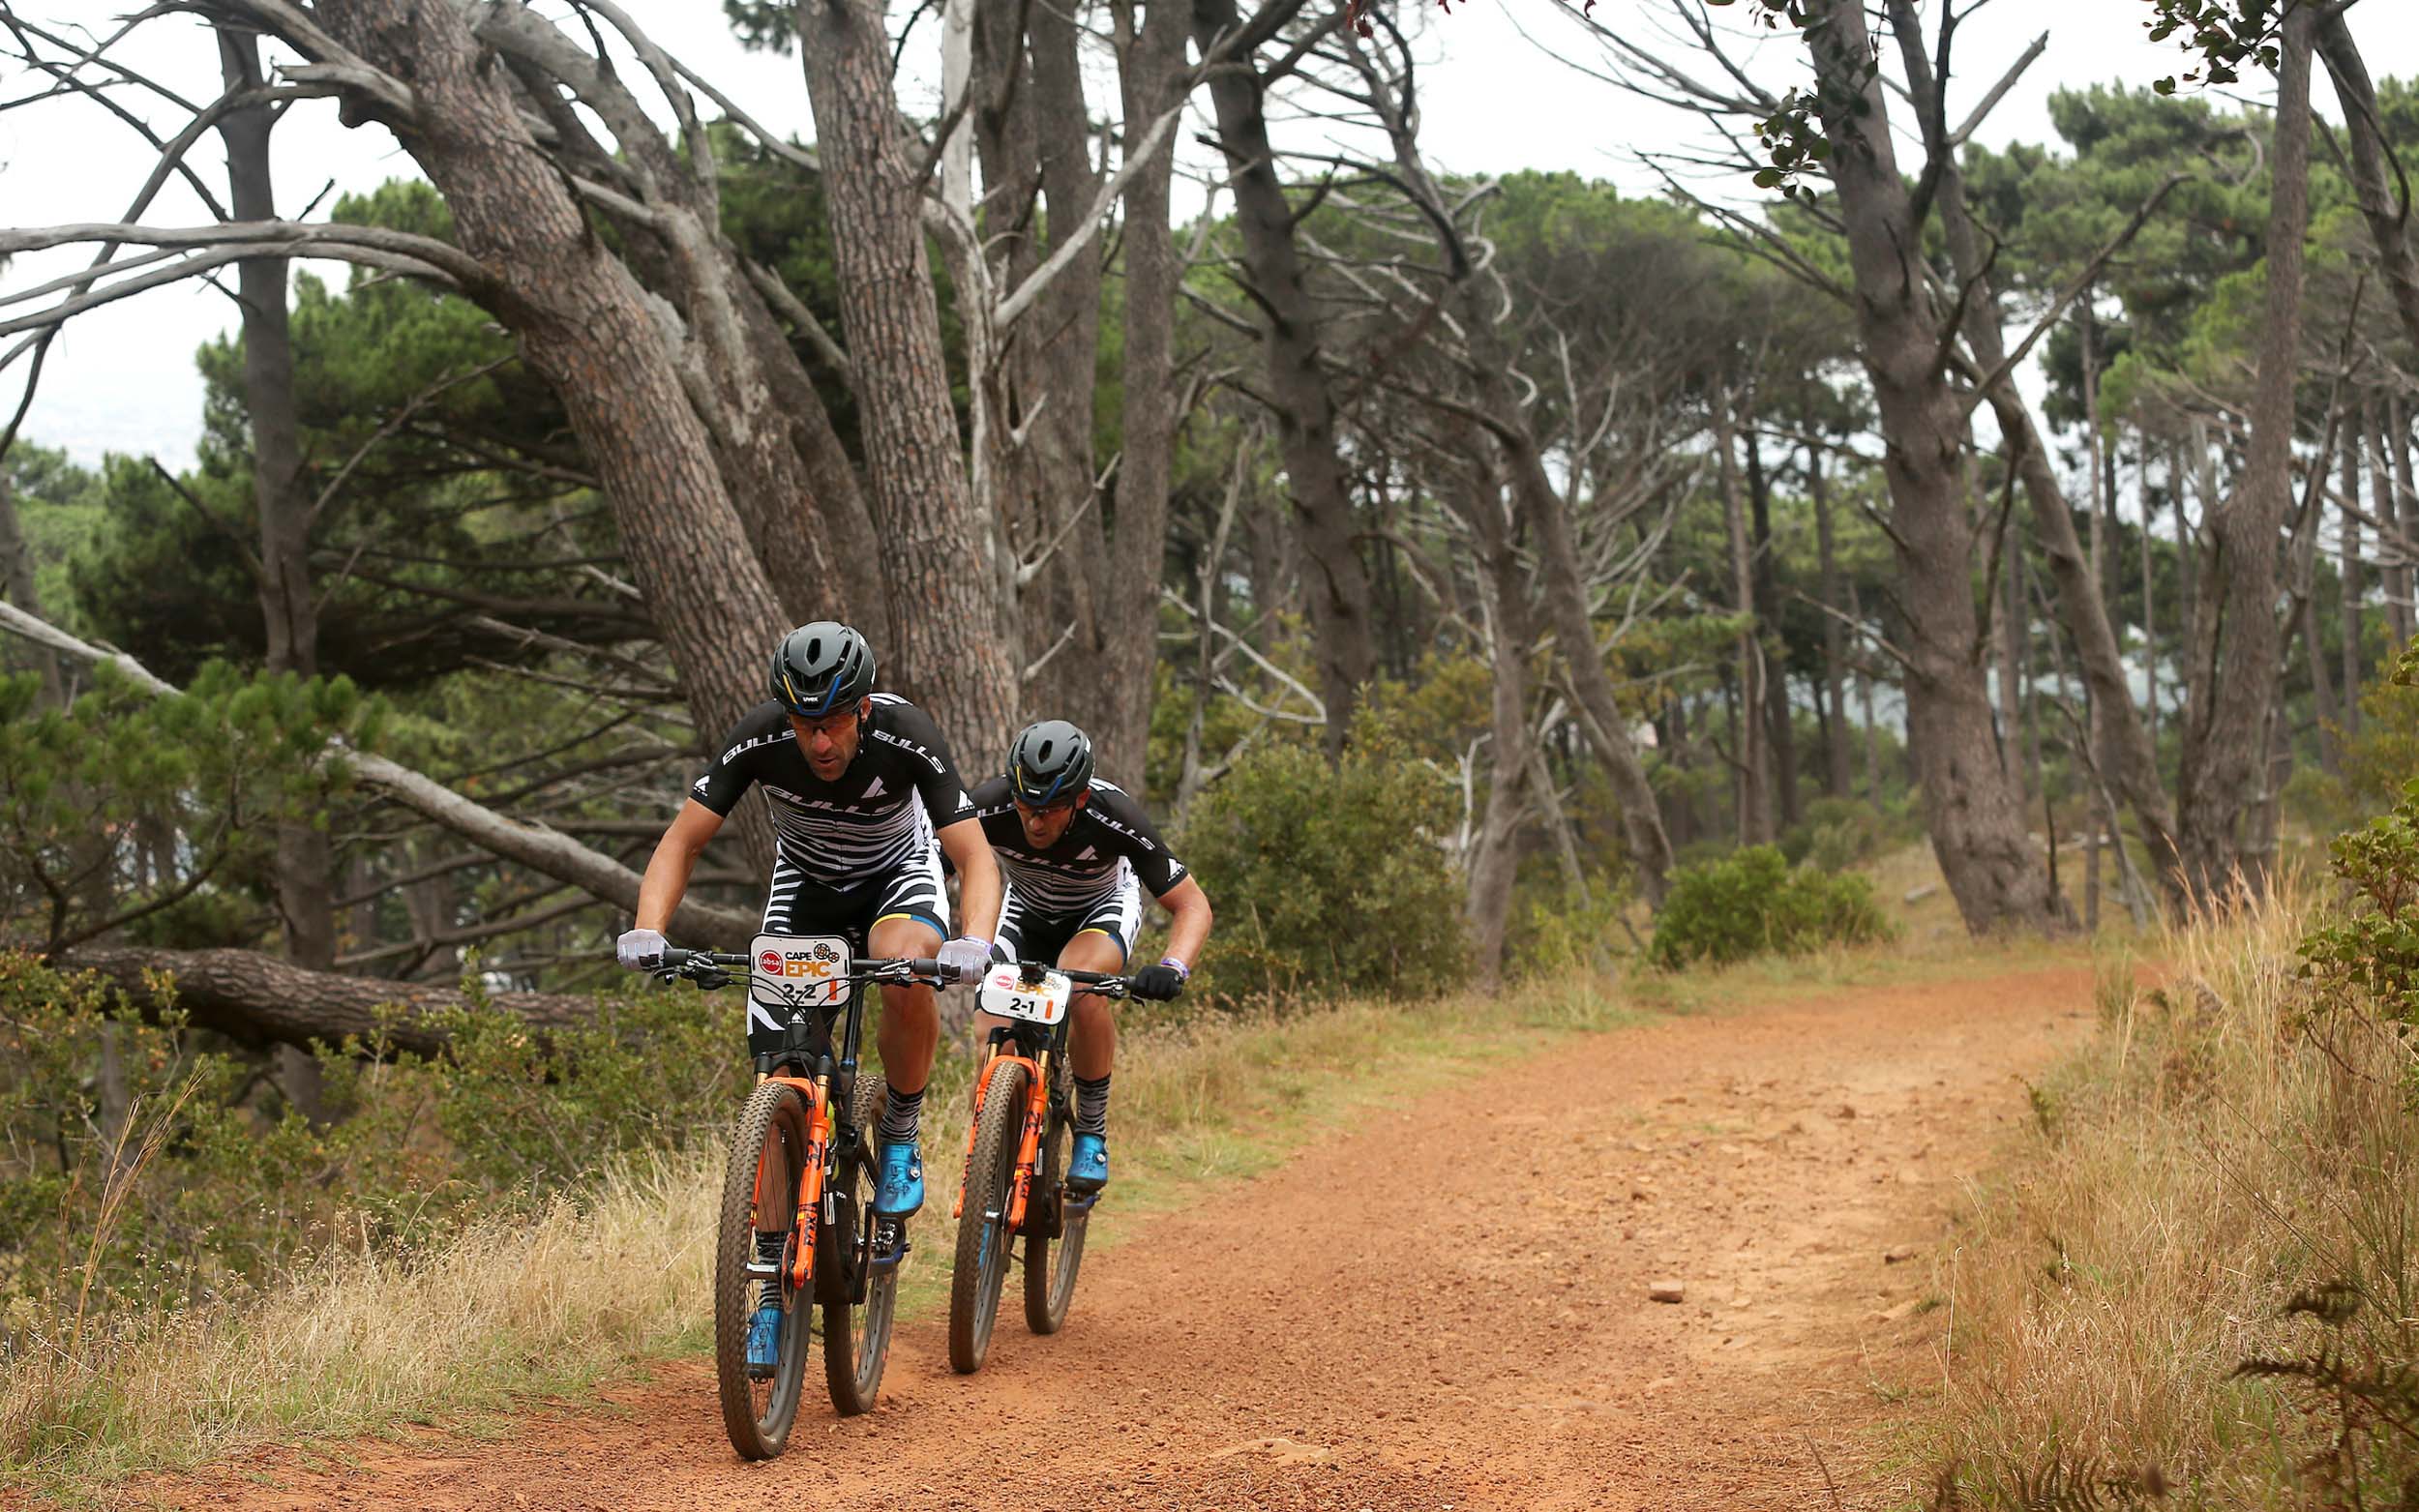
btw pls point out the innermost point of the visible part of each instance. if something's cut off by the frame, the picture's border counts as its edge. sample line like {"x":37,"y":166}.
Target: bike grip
{"x":926,"y":966}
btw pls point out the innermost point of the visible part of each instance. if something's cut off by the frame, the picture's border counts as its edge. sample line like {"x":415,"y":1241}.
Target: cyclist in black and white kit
{"x":865,"y":802}
{"x":1079,"y":853}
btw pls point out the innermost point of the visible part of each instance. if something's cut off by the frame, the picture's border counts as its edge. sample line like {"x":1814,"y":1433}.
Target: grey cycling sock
{"x":902,"y":1115}
{"x":1092,"y":1107}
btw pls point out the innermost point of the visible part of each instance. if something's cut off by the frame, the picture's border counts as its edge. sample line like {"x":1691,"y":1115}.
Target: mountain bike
{"x":803,"y":1164}
{"x":1016,"y":1153}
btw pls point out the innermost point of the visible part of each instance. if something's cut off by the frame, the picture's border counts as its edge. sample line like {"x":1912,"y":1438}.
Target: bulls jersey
{"x":880,"y":814}
{"x":1108,"y":841}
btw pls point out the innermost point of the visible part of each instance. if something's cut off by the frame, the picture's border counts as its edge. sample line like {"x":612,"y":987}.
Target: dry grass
{"x":617,"y":1272}
{"x":2213,"y":1154}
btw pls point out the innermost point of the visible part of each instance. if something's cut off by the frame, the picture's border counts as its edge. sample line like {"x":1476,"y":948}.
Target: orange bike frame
{"x":1029,"y":1147}
{"x":810,"y":1180}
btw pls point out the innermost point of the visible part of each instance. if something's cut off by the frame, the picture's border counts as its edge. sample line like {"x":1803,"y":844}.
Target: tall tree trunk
{"x":952,"y":639}
{"x":2150,"y":616}
{"x":1837,"y":776}
{"x":2349,"y":570}
{"x":1977,"y":833}
{"x":2388,"y":214}
{"x":2389,"y":484}
{"x":305,"y":866}
{"x":1782,"y":744}
{"x":2124,"y":745}
{"x":2010,"y":645}
{"x":2222,"y":775}
{"x":586,"y":326}
{"x":1495,"y":858}
{"x":1151,"y":68}
{"x":1335,"y":584}
{"x":1755,"y":808}
{"x":1865,"y":707}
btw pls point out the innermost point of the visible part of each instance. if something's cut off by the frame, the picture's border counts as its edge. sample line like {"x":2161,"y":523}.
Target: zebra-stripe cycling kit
{"x":855,"y":851}
{"x":1092,"y":878}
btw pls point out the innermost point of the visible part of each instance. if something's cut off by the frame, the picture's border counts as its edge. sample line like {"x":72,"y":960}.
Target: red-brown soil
{"x":1441,"y":1306}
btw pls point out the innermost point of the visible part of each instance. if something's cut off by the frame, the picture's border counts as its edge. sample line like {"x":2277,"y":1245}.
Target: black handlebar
{"x":709,"y":969}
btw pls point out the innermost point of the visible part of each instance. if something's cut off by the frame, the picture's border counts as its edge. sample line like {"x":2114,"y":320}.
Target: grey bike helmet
{"x":1049,"y":762}
{"x":820,"y":668}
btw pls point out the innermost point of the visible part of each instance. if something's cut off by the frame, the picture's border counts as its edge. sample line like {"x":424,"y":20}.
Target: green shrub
{"x":1753,"y":903}
{"x":1330,"y":880}
{"x":140,"y":1163}
{"x":1840,"y":833}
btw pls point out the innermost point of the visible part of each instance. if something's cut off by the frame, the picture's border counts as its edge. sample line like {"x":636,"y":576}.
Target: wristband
{"x":1183,"y":972}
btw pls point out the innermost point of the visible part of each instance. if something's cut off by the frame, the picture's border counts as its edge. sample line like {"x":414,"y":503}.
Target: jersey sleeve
{"x":1154,"y":865}
{"x":994,"y":807}
{"x":731,"y":770}
{"x":912,"y":731}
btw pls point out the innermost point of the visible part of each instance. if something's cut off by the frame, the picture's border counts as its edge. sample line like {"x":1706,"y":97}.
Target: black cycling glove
{"x":1163,"y":982}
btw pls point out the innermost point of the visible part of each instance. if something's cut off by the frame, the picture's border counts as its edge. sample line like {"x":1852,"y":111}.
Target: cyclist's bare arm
{"x":668,"y":870}
{"x":1188,"y":926}
{"x":978,"y":876}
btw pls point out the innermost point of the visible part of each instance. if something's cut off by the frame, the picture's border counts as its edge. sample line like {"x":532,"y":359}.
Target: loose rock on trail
{"x":1443,"y":1305}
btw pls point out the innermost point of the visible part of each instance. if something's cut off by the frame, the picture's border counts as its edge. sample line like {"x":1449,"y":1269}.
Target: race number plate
{"x":798,"y":970}
{"x":1035,"y":1002}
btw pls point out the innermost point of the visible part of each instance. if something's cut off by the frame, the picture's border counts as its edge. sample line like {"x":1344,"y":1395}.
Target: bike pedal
{"x":762,"y":1269}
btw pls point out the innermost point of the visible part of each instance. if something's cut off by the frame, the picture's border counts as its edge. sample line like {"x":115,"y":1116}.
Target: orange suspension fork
{"x":810,"y":1179}
{"x":982,"y":1089}
{"x":1028,"y":1148}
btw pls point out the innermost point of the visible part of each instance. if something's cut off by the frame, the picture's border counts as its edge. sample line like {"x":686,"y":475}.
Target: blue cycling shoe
{"x":764,"y":1339}
{"x":901,"y":1190}
{"x":1088,"y":1167}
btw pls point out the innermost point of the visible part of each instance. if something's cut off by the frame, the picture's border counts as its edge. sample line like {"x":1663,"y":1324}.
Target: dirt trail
{"x":1444,"y":1307}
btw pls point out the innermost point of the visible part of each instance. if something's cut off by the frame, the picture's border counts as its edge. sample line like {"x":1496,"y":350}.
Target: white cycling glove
{"x":639,"y":950}
{"x":964,"y":959}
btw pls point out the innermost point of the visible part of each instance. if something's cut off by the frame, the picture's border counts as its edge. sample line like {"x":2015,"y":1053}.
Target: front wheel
{"x":1049,"y":1265}
{"x":983,"y":1239}
{"x":761,"y":1186}
{"x":859,"y":1266}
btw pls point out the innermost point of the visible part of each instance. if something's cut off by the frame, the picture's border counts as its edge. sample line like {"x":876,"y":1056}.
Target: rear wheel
{"x":1050,"y":1265}
{"x":857,"y":1334}
{"x":983,"y":1238}
{"x":760,"y":1185}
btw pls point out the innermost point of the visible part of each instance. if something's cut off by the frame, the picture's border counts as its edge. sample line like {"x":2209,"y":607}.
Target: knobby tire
{"x":1051,"y":1264}
{"x":758,"y":1414}
{"x":984,"y":1245}
{"x":857,"y":1335}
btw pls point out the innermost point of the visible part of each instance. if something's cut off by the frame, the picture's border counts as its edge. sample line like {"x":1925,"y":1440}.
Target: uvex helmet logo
{"x":769,"y":961}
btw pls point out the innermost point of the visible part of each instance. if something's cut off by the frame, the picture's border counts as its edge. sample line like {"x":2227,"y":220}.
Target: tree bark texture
{"x":1335,"y":583}
{"x":1978,"y":832}
{"x":585,"y":326}
{"x":2225,"y":736}
{"x":953,"y":649}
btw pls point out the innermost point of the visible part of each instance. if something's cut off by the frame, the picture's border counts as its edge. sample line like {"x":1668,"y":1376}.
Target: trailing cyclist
{"x":865,"y":804}
{"x":1078,"y":852}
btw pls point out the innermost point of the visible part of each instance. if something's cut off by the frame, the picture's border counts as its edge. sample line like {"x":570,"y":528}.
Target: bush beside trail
{"x":1753,"y":903}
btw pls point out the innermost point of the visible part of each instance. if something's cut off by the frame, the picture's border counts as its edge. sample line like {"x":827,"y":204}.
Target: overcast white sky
{"x":122,"y":378}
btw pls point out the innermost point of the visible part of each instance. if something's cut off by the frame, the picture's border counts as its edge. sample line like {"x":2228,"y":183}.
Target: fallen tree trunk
{"x":258,"y":997}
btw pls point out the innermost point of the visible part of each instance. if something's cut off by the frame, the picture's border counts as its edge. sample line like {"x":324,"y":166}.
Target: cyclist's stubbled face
{"x":830,"y":742}
{"x":1044,"y":826}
